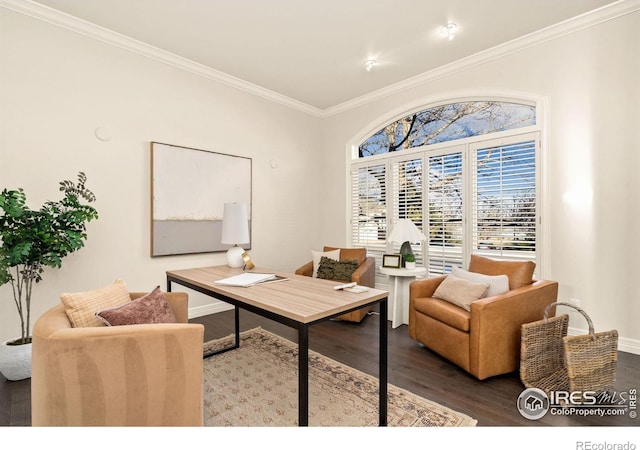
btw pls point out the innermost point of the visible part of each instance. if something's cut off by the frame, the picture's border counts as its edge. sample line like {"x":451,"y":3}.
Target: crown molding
{"x":75,"y":24}
{"x":586,"y":20}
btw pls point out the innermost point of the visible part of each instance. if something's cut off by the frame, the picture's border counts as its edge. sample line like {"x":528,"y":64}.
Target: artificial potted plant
{"x":29,"y":241}
{"x":409,"y":261}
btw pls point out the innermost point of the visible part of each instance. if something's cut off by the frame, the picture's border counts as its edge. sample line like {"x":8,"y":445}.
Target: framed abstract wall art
{"x":189,"y":188}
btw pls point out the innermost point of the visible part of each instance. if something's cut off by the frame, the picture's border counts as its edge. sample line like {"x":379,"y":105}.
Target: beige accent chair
{"x":486,"y":341}
{"x":131,"y":375}
{"x":365,"y":275}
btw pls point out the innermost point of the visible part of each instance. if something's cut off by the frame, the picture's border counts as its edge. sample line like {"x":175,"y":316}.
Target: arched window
{"x":464,"y":173}
{"x":448,"y":122}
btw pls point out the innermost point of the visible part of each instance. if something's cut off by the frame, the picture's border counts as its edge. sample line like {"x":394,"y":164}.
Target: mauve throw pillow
{"x":152,"y":308}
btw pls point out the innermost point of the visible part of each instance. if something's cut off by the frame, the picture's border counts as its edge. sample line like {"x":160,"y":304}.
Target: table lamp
{"x":404,"y":232}
{"x":235,"y":231}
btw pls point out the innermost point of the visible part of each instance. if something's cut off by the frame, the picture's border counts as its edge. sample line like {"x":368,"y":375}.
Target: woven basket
{"x":542,"y":354}
{"x":552,"y":361}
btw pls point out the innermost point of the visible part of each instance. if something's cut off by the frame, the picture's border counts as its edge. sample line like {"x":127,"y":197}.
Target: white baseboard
{"x":211,"y":308}
{"x":624,"y":344}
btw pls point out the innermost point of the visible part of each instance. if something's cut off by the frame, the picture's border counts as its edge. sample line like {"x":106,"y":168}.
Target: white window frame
{"x":499,"y":142}
{"x":469,"y":144}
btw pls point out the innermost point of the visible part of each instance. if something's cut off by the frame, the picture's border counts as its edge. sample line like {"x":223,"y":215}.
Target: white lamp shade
{"x":235,"y":224}
{"x":405,"y":230}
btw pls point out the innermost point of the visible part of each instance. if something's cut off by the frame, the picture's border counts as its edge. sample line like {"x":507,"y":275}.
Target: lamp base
{"x":234,"y":256}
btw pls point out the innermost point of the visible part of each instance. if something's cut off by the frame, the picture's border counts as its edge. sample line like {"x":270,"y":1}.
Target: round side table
{"x":399,"y":310}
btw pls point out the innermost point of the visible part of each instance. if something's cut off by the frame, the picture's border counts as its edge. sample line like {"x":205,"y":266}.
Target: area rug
{"x":257,"y":385}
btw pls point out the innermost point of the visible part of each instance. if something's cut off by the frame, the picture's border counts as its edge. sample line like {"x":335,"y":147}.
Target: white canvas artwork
{"x":188,"y":191}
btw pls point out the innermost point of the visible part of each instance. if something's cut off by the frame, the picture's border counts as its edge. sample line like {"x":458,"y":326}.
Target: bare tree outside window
{"x":447,"y":123}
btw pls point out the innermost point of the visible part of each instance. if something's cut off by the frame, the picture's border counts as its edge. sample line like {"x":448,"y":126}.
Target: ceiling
{"x":313,"y":51}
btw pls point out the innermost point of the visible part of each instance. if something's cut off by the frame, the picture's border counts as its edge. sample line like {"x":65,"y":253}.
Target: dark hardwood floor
{"x":411,"y":366}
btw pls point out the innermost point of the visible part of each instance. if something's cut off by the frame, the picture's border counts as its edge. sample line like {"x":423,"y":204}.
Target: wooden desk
{"x":299,"y":303}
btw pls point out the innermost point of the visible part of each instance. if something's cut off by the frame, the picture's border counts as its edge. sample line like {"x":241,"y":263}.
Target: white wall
{"x":57,"y":87}
{"x":590,"y":81}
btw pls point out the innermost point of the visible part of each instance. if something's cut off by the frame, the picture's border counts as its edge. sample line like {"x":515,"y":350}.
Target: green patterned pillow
{"x":330,"y":269}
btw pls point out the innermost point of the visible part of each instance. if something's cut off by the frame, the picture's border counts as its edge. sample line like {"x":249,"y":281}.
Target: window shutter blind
{"x":504,"y":206}
{"x":478,"y":197}
{"x":445,"y":214}
{"x":407,"y":195}
{"x":369,"y":209}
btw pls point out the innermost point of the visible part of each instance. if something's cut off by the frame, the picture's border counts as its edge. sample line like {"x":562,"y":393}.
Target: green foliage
{"x":32,"y":239}
{"x":409,"y":257}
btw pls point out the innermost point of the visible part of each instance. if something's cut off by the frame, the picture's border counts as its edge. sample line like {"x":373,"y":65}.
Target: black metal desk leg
{"x":237,"y":320}
{"x":303,"y":376}
{"x":383,"y":363}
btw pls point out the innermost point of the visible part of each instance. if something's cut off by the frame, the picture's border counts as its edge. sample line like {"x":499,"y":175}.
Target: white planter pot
{"x":15,"y":361}
{"x":410,"y":265}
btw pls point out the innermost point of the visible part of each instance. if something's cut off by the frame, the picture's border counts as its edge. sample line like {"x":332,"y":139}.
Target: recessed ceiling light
{"x":369,"y":63}
{"x":449,"y":29}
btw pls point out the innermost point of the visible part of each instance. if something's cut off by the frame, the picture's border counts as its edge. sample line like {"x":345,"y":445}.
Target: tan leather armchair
{"x":486,"y":341}
{"x":131,"y":375}
{"x":364,"y":275}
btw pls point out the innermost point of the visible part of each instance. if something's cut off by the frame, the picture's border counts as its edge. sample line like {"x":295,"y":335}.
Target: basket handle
{"x":580,"y":310}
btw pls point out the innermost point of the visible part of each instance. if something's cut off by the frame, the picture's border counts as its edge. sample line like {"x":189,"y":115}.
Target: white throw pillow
{"x":316,"y":255}
{"x":460,"y":292}
{"x":498,"y":284}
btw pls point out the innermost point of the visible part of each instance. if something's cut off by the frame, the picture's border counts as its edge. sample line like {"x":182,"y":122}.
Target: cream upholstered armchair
{"x":485,"y":339}
{"x":138,"y":375}
{"x":364,"y":275}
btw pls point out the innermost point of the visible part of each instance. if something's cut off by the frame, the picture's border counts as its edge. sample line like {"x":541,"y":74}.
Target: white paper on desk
{"x":246,"y":279}
{"x":357,"y":289}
